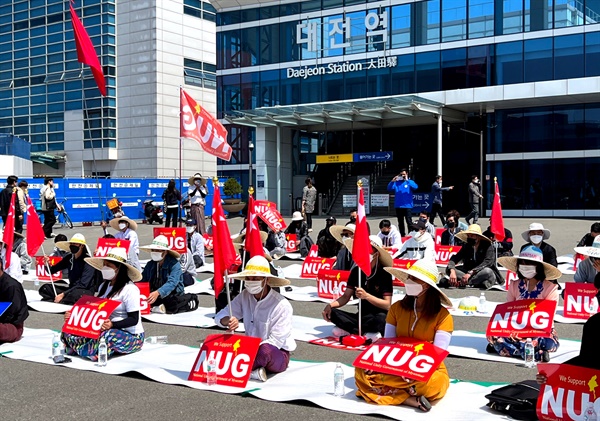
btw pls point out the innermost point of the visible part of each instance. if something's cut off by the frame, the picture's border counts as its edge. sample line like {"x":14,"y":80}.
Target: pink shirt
{"x":549,"y":292}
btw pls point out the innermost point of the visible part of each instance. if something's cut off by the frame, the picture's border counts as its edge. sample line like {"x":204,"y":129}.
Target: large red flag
{"x":198,"y":124}
{"x":497,"y":223}
{"x":253,"y":241}
{"x":224,"y":253}
{"x":361,"y":247}
{"x":35,"y":232}
{"x":86,"y":53}
{"x":8,"y":237}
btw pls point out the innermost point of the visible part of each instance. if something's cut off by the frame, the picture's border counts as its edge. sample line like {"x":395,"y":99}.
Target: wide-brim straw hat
{"x":197,"y":176}
{"x":259,"y":266}
{"x":336,"y":231}
{"x":116,"y":255}
{"x":240,"y":241}
{"x":161,"y":243}
{"x":75,"y":239}
{"x":592,"y":251}
{"x":536,"y":226}
{"x":532,"y":254}
{"x":114,"y":223}
{"x":16,"y":234}
{"x":473,"y":229}
{"x":424,"y":270}
{"x":385,"y":258}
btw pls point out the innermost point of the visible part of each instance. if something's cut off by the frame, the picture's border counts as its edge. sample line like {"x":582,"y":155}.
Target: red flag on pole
{"x":224,"y":255}
{"x":361,"y":247}
{"x":35,"y":232}
{"x":253,"y":243}
{"x":8,"y":237}
{"x":497,"y":223}
{"x":198,"y":124}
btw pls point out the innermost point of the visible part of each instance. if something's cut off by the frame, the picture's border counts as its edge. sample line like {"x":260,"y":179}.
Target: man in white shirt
{"x":390,"y":236}
{"x":267,"y":315}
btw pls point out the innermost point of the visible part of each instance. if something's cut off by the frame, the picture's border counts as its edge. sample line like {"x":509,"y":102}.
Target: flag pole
{"x":50,"y":273}
{"x":180,"y":158}
{"x":359,"y":183}
{"x":228,"y":296}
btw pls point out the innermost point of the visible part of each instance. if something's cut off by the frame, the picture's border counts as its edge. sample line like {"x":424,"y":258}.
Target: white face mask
{"x":527,"y":271}
{"x":108,"y":273}
{"x":412,"y":288}
{"x":122,"y":225}
{"x":156,"y":256}
{"x":254,"y":287}
{"x":536,"y":239}
{"x":191,"y":229}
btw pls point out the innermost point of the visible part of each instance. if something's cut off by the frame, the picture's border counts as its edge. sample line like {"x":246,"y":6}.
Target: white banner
{"x":349,"y":201}
{"x":380,"y":200}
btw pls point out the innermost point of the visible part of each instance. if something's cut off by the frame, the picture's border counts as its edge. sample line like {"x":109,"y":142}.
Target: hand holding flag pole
{"x":216,"y":184}
{"x":49,"y":272}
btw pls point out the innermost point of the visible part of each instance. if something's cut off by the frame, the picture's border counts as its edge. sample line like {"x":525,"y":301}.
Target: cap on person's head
{"x":190,"y":222}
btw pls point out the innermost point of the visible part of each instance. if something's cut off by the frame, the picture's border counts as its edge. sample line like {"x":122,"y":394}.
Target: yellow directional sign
{"x":334,"y":159}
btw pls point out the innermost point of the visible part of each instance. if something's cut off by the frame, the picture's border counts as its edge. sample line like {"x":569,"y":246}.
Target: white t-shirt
{"x":129,"y":297}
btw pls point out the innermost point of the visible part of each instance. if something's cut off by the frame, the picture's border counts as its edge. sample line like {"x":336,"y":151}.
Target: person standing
{"x":403,"y":188}
{"x":309,"y":198}
{"x":21,"y":205}
{"x":5,"y":197}
{"x":197,"y":193}
{"x":436,"y":205}
{"x":48,"y":205}
{"x":474,"y":197}
{"x":171,"y":197}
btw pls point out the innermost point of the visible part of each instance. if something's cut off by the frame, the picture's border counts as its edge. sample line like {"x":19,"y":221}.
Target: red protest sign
{"x":87,"y":316}
{"x":144,"y":288}
{"x":176,"y":237}
{"x":267,"y":211}
{"x":580,"y":300}
{"x":577,"y":260}
{"x":401,"y":264}
{"x":331,"y":281}
{"x":312,"y":266}
{"x":314,"y":251}
{"x":208,"y":241}
{"x":233,"y":354}
{"x":526,"y":318}
{"x":42,"y":272}
{"x":333,"y":342}
{"x":407,"y":357}
{"x":567,"y":393}
{"x":438,"y":235}
{"x":444,"y":253}
{"x":105,"y":245}
{"x":291,"y":244}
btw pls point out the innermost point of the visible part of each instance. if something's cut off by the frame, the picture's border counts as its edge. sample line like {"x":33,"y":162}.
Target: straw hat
{"x":240,"y":241}
{"x":473,"y":229}
{"x":161,"y":243}
{"x":16,"y":234}
{"x":532,"y":254}
{"x":336,"y":231}
{"x":297,"y":216}
{"x":117,"y":255}
{"x":425,"y":270}
{"x":259,"y":266}
{"x":114,"y":223}
{"x":75,"y":239}
{"x":536,"y":226}
{"x":195,"y":177}
{"x":385,"y":258}
{"x":592,"y":251}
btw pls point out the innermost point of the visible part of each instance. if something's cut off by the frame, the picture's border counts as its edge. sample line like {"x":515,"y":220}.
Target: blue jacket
{"x":436,"y":192}
{"x":171,"y":277}
{"x":403,"y":190}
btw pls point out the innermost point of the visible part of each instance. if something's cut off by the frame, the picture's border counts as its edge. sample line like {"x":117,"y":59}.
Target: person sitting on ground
{"x":188,"y":268}
{"x":390,"y":236}
{"x":588,"y":239}
{"x":299,"y":227}
{"x":420,"y":245}
{"x":420,"y":315}
{"x":12,"y":320}
{"x":275,"y":242}
{"x":424,"y":216}
{"x":375,"y":291}
{"x":326,"y":243}
{"x":164,"y":274}
{"x":352,"y":217}
{"x":460,"y":224}
{"x":20,"y":249}
{"x":195,"y":243}
{"x":267,"y":315}
{"x":535,"y":236}
{"x":126,"y":230}
{"x":588,"y":268}
{"x":58,"y":252}
{"x":122,"y":331}
{"x":534,"y":283}
{"x":504,"y":247}
{"x":83,"y":278}
{"x":449,"y":237}
{"x":14,"y":270}
{"x":342,"y":234}
{"x":478,"y":259}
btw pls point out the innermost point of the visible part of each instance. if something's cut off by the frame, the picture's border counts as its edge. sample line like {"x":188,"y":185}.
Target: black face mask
{"x":471,"y":241}
{"x":353,"y":219}
{"x":74,"y":249}
{"x":451,"y":224}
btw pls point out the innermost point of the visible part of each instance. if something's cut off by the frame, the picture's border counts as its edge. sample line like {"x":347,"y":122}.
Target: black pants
{"x":474,"y":213}
{"x":349,"y":321}
{"x":171,"y":213}
{"x":49,"y":221}
{"x":404,"y":214}
{"x":436,"y":209}
{"x":308,"y":220}
{"x":71,"y":297}
{"x":178,"y":303}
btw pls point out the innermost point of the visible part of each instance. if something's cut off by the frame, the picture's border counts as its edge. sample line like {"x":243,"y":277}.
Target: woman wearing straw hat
{"x":267,"y":315}
{"x":535,"y":236}
{"x":299,"y":227}
{"x":376,"y":292}
{"x":420,"y":315}
{"x":197,"y":193}
{"x":123,"y":331}
{"x":534,"y":282}
{"x":126,"y":230}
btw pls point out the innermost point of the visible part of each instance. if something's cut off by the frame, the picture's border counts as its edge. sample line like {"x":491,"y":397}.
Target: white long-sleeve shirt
{"x":134,"y":246}
{"x":418,"y":250}
{"x":392,"y":239}
{"x":197,"y":245}
{"x":269,"y":319}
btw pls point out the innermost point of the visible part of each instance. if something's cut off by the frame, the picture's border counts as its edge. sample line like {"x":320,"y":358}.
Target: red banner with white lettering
{"x":233,"y":355}
{"x":406,"y":357}
{"x":105,"y":245}
{"x":176,"y":237}
{"x":291,"y":244}
{"x":331,"y":281}
{"x":208,"y":241}
{"x":312,"y":266}
{"x":525,"y":318}
{"x":267,"y":211}
{"x":41,"y":271}
{"x":198,"y":124}
{"x":314,"y":251}
{"x":577,"y":260}
{"x":438,"y":235}
{"x":401,"y":264}
{"x":567,"y":393}
{"x":444,"y":253}
{"x":333,"y":342}
{"x":87,"y":316}
{"x":580,"y":300}
{"x":144,"y":288}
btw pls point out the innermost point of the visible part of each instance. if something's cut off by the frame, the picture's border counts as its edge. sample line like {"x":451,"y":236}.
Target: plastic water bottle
{"x":336,"y":293}
{"x":590,"y":413}
{"x":157,"y":339}
{"x":211,"y":372}
{"x":482,"y":303}
{"x":36,"y":281}
{"x":529,"y":354}
{"x":56,"y":345}
{"x":102,"y":353}
{"x":338,"y":380}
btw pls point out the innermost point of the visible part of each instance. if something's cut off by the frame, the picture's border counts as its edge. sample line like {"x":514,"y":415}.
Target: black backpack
{"x":518,"y":400}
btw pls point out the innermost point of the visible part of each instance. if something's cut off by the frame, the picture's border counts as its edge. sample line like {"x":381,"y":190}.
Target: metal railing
{"x":344,"y":171}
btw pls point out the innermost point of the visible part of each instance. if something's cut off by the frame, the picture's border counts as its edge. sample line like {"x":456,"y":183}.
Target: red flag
{"x":497,"y":223}
{"x":253,"y":241}
{"x":361,"y":247}
{"x":86,"y":53}
{"x":198,"y":124}
{"x":8,"y":237}
{"x":35,"y":232}
{"x":224,"y":255}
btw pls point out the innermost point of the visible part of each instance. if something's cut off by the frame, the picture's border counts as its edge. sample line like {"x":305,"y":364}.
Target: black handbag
{"x":518,"y":400}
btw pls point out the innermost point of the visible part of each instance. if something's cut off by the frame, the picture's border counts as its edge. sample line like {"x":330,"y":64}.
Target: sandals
{"x":423,"y":404}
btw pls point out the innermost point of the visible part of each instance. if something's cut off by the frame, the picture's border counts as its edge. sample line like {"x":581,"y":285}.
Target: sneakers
{"x":490,"y":349}
{"x":259,"y":374}
{"x":193,"y":303}
{"x":373,"y":336}
{"x":310,"y":230}
{"x":339,"y":332}
{"x":545,"y":357}
{"x":161,"y":309}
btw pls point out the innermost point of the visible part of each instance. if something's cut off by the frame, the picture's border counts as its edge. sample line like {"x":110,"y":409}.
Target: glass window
{"x":358,"y":32}
{"x":269,"y":44}
{"x":377,"y":29}
{"x":333,"y":87}
{"x":250,"y":46}
{"x":592,"y":12}
{"x":568,"y":57}
{"x":290,"y":50}
{"x":232,"y":99}
{"x":508,"y":64}
{"x":403,"y":75}
{"x":332,"y":4}
{"x":592,"y":54}
{"x":512,"y":18}
{"x":538,"y":60}
{"x":428,"y":71}
{"x":310,"y":89}
{"x":481,"y":18}
{"x":269,"y":88}
{"x":568,"y":13}
{"x":230,"y":49}
{"x":310,"y":6}
{"x":379,"y":81}
{"x":290,"y":89}
{"x":569,"y":128}
{"x":401,"y":26}
{"x":356,"y":84}
{"x":269,"y":12}
{"x":454,"y":20}
{"x":538,"y":15}
{"x":336,"y":34}
{"x":454,"y":69}
{"x":248,"y":15}
{"x":426,"y":22}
